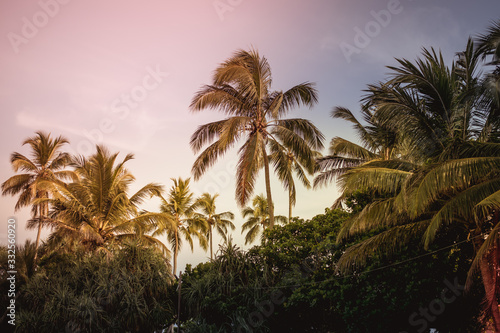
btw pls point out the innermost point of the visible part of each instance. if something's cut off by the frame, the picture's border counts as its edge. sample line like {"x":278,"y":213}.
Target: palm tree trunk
{"x":270,"y":205}
{"x":289,"y":205}
{"x":43,"y":212}
{"x":210,"y":235}
{"x":37,"y":243}
{"x":176,"y":251}
{"x":488,"y":276}
{"x":490,"y":291}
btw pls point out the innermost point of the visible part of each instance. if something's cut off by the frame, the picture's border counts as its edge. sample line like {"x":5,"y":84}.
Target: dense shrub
{"x":126,"y":291}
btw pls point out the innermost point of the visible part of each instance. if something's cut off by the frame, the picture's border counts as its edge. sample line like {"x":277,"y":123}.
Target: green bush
{"x":126,"y":291}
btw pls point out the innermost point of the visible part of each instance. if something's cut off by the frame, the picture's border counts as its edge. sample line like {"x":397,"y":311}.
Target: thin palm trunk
{"x":176,"y":250}
{"x":43,"y":212}
{"x":270,"y":205}
{"x":37,"y":243}
{"x":290,"y":194}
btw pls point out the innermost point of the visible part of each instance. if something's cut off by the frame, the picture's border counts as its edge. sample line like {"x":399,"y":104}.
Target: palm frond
{"x":385,"y":243}
{"x":247,"y":168}
{"x":455,"y":174}
{"x":342,"y":147}
{"x":460,"y":207}
{"x":382,"y":180}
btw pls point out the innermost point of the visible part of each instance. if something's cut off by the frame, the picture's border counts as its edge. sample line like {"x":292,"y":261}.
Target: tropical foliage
{"x":127,"y":292}
{"x":218,"y":221}
{"x":241,"y":89}
{"x":46,"y":164}
{"x":258,"y":218}
{"x":443,"y":112}
{"x":96,"y":211}
{"x":289,"y":282}
{"x":179,"y":210}
{"x":379,"y":142}
{"x":415,"y":229}
{"x":286,"y":164}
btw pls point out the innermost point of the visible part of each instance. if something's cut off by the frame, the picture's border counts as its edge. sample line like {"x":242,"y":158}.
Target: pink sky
{"x":71,"y":75}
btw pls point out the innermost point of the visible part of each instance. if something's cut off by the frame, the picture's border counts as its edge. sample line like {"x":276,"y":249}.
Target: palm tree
{"x":46,"y":163}
{"x":179,"y":208}
{"x":382,"y":148}
{"x":432,"y":104}
{"x":258,"y":218}
{"x":457,"y":186}
{"x":379,"y":142}
{"x":489,"y":48}
{"x":286,"y":163}
{"x":219,"y":221}
{"x":241,"y":89}
{"x":95,"y":211}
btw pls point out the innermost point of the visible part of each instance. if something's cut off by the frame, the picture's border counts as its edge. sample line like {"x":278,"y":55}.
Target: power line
{"x":372,"y":270}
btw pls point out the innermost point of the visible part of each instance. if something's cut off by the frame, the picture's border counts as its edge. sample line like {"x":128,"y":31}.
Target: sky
{"x":122,"y":73}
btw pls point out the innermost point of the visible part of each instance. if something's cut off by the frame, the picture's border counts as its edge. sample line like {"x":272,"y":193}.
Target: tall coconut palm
{"x":241,"y":89}
{"x":430,"y":103}
{"x":220,"y":221}
{"x":46,"y":163}
{"x":179,"y":208}
{"x":96,"y":211}
{"x":258,"y":218}
{"x":458,"y":186}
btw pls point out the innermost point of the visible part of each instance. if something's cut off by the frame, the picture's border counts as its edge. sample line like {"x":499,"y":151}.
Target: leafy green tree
{"x":220,"y":295}
{"x":46,"y":163}
{"x":258,"y":218}
{"x":218,"y":221}
{"x":179,"y":209}
{"x":290,"y":283}
{"x":241,"y":89}
{"x":95,"y":211}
